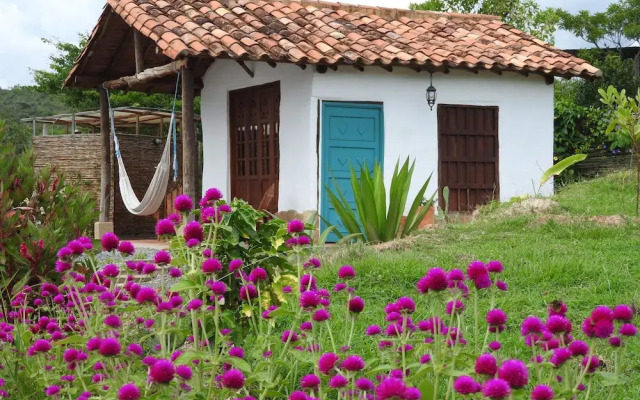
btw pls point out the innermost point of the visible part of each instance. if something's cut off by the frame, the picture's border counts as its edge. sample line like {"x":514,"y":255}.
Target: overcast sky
{"x":24,"y":22}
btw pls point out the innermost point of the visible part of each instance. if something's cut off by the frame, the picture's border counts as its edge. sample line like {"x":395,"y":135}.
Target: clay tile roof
{"x":317,"y":32}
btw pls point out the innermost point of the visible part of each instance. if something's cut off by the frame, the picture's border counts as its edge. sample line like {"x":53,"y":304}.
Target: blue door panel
{"x":352,"y":134}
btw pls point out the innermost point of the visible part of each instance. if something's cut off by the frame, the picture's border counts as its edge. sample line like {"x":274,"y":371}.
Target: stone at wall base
{"x":100,"y":228}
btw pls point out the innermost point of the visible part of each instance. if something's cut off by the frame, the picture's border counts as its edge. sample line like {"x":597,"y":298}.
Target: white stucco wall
{"x":525,"y":122}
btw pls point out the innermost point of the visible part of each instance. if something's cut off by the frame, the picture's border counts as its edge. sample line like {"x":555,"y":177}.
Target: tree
{"x":615,"y":28}
{"x":52,"y":80}
{"x":526,"y":15}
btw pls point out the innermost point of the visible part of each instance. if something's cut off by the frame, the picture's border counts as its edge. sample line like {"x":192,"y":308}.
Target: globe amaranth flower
{"x":236,"y":352}
{"x":495,"y":266}
{"x":434,"y":280}
{"x":126,"y":248}
{"x":321,"y":315}
{"x":146,"y":295}
{"x":601,"y":313}
{"x":298,"y":395}
{"x":112,"y":321}
{"x":501,"y":285}
{"x":109,"y":241}
{"x":352,"y":363}
{"x":591,"y":363}
{"x":235,"y":264}
{"x":338,"y":381}
{"x":622,"y":312}
{"x":109,"y":347}
{"x":346,"y":272}
{"x":486,"y":364}
{"x":628,"y":330}
{"x":542,"y":392}
{"x":213,"y":194}
{"x":391,"y":388}
{"x":531,"y":326}
{"x":295,"y":226}
{"x":289,"y":336}
{"x":184,"y":372}
{"x":327,"y":362}
{"x":356,"y":305}
{"x":310,"y":381}
{"x":162,"y":371}
{"x":557,"y":324}
{"x":557,"y":308}
{"x":165,"y":227}
{"x":193,"y":230}
{"x":496,"y":389}
{"x":136,"y":349}
{"x":129,"y":391}
{"x":258,"y":274}
{"x":183,"y":203}
{"x":496,"y":317}
{"x":466,"y":385}
{"x":578,"y":348}
{"x":162,"y":257}
{"x":52,"y":390}
{"x":615,"y":341}
{"x":211,"y":265}
{"x":373,"y":330}
{"x":218,"y":287}
{"x":175,"y":273}
{"x":233,"y":379}
{"x":514,"y":372}
{"x":406,"y":305}
{"x":454,"y":306}
{"x":560,"y":356}
{"x":248,"y":291}
{"x":312,"y":263}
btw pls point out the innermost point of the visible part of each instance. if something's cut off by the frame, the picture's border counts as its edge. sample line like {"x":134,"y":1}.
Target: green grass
{"x":614,"y":193}
{"x":578,"y":262}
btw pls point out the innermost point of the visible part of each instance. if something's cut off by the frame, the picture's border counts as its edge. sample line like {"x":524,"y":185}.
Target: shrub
{"x":111,"y":336}
{"x":39,"y":211}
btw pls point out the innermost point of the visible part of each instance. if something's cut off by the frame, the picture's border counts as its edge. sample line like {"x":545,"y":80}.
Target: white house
{"x":294,"y":92}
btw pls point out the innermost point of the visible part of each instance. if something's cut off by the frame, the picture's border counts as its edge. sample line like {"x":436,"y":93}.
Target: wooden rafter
{"x":145,"y":76}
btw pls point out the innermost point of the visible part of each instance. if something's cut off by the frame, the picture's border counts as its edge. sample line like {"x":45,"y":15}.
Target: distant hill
{"x":23,"y":102}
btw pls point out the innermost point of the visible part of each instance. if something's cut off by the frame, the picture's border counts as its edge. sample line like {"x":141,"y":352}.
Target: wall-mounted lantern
{"x":431,"y":94}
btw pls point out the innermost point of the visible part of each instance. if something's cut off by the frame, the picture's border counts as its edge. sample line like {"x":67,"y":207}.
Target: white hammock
{"x":157,"y":190}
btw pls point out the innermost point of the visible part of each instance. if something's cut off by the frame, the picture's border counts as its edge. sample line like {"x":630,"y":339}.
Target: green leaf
{"x":75,"y":339}
{"x":239,"y":363}
{"x":561,"y":166}
{"x":426,"y":389}
{"x":184,"y":284}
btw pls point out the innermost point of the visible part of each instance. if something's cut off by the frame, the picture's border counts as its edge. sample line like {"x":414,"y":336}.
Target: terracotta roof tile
{"x":314,"y":32}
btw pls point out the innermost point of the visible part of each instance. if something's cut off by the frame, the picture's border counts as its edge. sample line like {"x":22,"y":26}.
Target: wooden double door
{"x":254,"y":119}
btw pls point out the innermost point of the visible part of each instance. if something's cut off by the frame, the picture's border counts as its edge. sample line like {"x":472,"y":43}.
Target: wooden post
{"x":139,"y":54}
{"x":105,"y":170}
{"x":35,"y":127}
{"x":189,"y":140}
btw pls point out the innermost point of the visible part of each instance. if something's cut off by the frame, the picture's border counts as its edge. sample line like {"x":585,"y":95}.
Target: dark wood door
{"x":254,"y":118}
{"x":468,"y":155}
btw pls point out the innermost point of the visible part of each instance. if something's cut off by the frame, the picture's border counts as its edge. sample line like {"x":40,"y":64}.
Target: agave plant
{"x":375,"y":220}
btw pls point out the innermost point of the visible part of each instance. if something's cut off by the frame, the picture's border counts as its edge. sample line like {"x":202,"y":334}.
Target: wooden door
{"x":468,"y":155}
{"x":254,"y":119}
{"x":352,"y":134}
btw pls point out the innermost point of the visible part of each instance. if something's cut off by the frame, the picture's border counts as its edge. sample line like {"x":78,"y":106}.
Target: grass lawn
{"x":576,"y":261}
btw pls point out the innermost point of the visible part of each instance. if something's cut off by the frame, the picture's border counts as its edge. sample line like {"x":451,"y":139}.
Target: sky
{"x":23,"y":24}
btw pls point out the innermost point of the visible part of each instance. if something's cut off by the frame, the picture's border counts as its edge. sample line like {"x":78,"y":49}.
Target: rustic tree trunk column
{"x":189,"y":141}
{"x":104,"y":224}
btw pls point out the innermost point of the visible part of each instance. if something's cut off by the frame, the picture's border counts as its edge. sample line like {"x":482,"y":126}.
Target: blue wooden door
{"x":352,"y":133}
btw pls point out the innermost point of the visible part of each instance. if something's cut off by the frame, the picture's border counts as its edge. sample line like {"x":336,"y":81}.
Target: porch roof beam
{"x":145,"y":76}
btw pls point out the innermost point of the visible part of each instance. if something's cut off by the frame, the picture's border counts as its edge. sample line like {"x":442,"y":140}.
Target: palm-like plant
{"x":374,"y":219}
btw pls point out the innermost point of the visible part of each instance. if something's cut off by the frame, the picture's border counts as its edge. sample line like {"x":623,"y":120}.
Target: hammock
{"x":157,"y":190}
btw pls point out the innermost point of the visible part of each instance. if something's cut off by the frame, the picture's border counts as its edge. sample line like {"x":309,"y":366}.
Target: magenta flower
{"x":298,"y":395}
{"x":579,"y":348}
{"x":236,"y":352}
{"x":353,"y":363}
{"x":514,"y":372}
{"x":213,"y":194}
{"x":346,"y":272}
{"x":162,"y":371}
{"x":435,"y":280}
{"x":496,"y":389}
{"x":162,"y":257}
{"x":184,"y":372}
{"x":194,"y":304}
{"x":126,"y":248}
{"x":531,"y":326}
{"x":112,"y":321}
{"x":258,"y":274}
{"x":628,"y":330}
{"x":235,"y":264}
{"x":356,"y":305}
{"x":309,"y":300}
{"x":109,"y":347}
{"x":557,"y":324}
{"x":391,"y":388}
{"x":495,"y":346}
{"x":454,"y":306}
{"x":129,"y":391}
{"x":146,"y":294}
{"x":591,"y":364}
{"x":165,"y":227}
{"x":466,"y":385}
{"x":321,"y":315}
{"x":601,"y":313}
{"x":183,"y":203}
{"x":310,"y":381}
{"x":338,"y":381}
{"x":289,"y":336}
{"x":406,"y":305}
{"x":233,"y":379}
{"x":109,"y":241}
{"x":495,"y":266}
{"x":475,"y":269}
{"x":501,"y":285}
{"x":327,"y":362}
{"x":623,"y":312}
{"x":175,"y":273}
{"x":496,"y":317}
{"x":218,"y":287}
{"x":136,"y":349}
{"x":295,"y":226}
{"x":41,"y":346}
{"x":486,"y":365}
{"x":542,"y":392}
{"x":248,"y":292}
{"x":373,"y":330}
{"x":193,"y":230}
{"x":52,"y":390}
{"x":93,"y":343}
{"x":211,"y":265}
